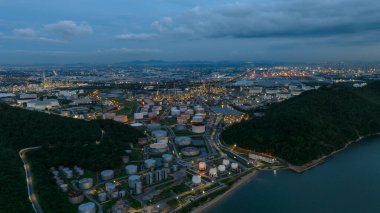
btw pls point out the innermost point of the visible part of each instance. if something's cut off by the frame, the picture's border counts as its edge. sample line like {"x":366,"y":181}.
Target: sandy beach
{"x":235,"y":186}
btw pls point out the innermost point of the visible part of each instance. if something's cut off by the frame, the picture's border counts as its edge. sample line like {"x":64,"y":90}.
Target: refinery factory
{"x":177,"y":161}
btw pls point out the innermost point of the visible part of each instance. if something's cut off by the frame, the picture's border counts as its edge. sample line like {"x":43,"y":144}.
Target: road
{"x":29,"y":179}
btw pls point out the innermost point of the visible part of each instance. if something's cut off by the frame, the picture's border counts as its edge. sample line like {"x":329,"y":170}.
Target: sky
{"x":94,"y":31}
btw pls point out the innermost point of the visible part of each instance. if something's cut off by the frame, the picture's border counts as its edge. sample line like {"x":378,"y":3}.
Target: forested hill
{"x":313,"y":124}
{"x":64,"y":141}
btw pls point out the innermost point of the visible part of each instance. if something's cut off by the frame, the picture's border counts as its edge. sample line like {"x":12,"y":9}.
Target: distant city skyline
{"x":259,"y":30}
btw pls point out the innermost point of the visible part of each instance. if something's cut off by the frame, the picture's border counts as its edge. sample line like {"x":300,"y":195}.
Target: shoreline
{"x":242,"y":181}
{"x":316,"y":162}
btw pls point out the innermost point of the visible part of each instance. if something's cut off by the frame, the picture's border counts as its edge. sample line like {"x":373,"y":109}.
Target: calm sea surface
{"x":347,"y":182}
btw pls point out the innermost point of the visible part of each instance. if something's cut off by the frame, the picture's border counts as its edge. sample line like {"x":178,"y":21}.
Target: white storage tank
{"x":175,"y":112}
{"x":75,"y":197}
{"x":183,"y":140}
{"x":85,"y":183}
{"x":149,"y":163}
{"x":122,"y":193}
{"x":149,"y":178}
{"x":199,"y":109}
{"x":234,"y":166}
{"x":196,"y":179}
{"x":222,"y":168}
{"x":107,"y":174}
{"x":87,"y":208}
{"x":167,"y":158}
{"x":197,"y":119}
{"x":158,"y":148}
{"x":198,"y":128}
{"x":110,"y":187}
{"x":213,"y":172}
{"x":226,"y":162}
{"x":162,"y":140}
{"x":132,"y":180}
{"x":180,"y":127}
{"x":64,"y":187}
{"x":190,"y":151}
{"x":138,"y":187}
{"x":138,"y":115}
{"x":190,"y":111}
{"x":153,"y":127}
{"x":131,"y":169}
{"x":102,"y":196}
{"x":159,"y":133}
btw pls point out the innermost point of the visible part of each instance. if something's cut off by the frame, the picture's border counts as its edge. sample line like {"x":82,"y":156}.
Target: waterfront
{"x":346,"y":182}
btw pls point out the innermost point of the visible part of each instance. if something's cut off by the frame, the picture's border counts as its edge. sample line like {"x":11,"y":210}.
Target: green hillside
{"x":64,"y":141}
{"x":313,"y":124}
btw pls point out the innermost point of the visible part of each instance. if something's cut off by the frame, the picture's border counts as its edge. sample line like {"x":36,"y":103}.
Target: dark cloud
{"x":291,"y":18}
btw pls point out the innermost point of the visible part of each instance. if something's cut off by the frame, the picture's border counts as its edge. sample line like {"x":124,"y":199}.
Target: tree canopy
{"x":313,"y":124}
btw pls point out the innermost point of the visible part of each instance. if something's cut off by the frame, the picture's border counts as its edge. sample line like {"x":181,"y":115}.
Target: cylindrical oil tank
{"x":138,"y":187}
{"x":183,"y":140}
{"x":149,"y":178}
{"x":122,"y":193}
{"x":213,"y":172}
{"x":175,"y":112}
{"x":107,"y":174}
{"x":167,"y":158}
{"x":110,"y":187}
{"x":198,"y":128}
{"x":162,"y":140}
{"x":132,"y":181}
{"x":175,"y":167}
{"x":64,"y":187}
{"x":190,"y":151}
{"x":131,"y":169}
{"x":197,"y":119}
{"x":153,"y":127}
{"x":196,"y":179}
{"x":222,"y":168}
{"x":149,"y":163}
{"x":158,"y":148}
{"x":85,"y":183}
{"x":159,"y":133}
{"x":202,"y":166}
{"x":199,"y":110}
{"x":226,"y":162}
{"x":87,"y":208}
{"x":158,"y":175}
{"x":102,"y":196}
{"x":75,"y":197}
{"x":234,"y":165}
{"x":180,"y":127}
{"x":138,"y":115}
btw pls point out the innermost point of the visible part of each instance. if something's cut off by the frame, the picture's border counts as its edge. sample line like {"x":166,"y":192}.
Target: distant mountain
{"x":314,"y":124}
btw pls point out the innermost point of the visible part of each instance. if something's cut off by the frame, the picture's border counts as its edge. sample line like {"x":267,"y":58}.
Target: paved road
{"x":29,"y":180}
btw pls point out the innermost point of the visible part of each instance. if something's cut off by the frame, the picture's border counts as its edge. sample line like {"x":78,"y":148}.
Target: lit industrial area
{"x":180,"y":162}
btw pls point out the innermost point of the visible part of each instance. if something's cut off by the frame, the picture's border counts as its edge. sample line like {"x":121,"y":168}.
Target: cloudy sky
{"x":95,"y":31}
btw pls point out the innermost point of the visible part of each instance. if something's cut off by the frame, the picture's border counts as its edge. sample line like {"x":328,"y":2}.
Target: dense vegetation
{"x":313,"y":124}
{"x":64,"y":141}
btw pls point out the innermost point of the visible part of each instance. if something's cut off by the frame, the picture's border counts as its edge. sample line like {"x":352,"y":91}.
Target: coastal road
{"x":29,"y":179}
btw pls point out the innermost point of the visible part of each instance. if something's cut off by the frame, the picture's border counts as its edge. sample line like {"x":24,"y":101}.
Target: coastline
{"x":242,"y":181}
{"x":316,"y":162}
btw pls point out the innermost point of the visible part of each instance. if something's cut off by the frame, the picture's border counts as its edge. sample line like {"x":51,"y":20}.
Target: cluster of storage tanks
{"x":220,"y":169}
{"x":155,"y":111}
{"x":161,"y":144}
{"x":110,"y":191}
